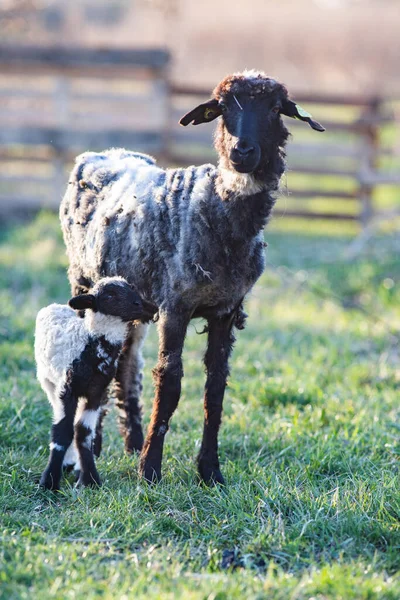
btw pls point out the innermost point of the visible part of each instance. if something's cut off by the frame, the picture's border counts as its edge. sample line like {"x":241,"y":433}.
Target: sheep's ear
{"x":204,"y":113}
{"x":82,"y":301}
{"x":290,"y":109}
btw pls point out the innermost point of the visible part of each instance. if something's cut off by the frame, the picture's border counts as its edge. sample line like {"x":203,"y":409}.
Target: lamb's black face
{"x":115,"y":297}
{"x":252,"y":128}
{"x":119,"y":300}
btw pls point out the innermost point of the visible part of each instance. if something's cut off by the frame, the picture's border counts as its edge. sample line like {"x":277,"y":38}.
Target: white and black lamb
{"x":76,"y":360}
{"x":189,"y":240}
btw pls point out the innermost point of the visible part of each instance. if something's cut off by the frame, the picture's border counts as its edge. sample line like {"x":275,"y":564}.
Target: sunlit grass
{"x":309,"y":443}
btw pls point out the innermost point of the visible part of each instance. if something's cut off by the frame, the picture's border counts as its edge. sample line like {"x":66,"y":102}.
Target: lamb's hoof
{"x":150,"y":472}
{"x":88,"y":480}
{"x":210,"y":474}
{"x":134,"y":440}
{"x":48,"y":482}
{"x":67,"y":469}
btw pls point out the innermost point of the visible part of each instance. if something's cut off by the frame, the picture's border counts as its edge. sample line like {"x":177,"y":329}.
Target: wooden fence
{"x":55,"y":103}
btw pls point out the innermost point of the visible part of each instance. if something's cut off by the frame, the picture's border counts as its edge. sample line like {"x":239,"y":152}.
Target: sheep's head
{"x":115,"y":297}
{"x":251,"y":129}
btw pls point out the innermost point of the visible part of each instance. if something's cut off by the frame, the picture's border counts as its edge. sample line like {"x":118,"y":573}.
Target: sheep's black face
{"x":251,"y":135}
{"x":251,"y":128}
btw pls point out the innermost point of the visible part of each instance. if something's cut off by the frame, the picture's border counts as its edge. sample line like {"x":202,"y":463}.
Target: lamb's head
{"x":113,"y":296}
{"x":251,"y":132}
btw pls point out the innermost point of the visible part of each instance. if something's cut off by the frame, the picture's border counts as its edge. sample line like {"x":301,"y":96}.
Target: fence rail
{"x":57,"y":102}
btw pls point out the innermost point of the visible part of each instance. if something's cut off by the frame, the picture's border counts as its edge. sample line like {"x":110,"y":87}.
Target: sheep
{"x":76,"y":359}
{"x":190,"y":241}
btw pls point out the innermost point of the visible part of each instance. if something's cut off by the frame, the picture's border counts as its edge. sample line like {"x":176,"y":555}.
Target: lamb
{"x":76,"y":359}
{"x":190,"y":241}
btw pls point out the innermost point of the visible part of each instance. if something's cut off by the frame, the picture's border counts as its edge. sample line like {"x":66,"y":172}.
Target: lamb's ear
{"x":204,"y":113}
{"x":290,"y":109}
{"x":82,"y":301}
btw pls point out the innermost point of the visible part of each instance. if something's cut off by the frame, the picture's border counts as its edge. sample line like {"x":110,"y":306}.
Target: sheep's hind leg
{"x":219,"y":347}
{"x":167,"y":377}
{"x":128,"y":388}
{"x":62,"y":433}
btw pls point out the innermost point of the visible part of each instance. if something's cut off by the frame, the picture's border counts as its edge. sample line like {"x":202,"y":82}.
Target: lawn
{"x":309,"y":443}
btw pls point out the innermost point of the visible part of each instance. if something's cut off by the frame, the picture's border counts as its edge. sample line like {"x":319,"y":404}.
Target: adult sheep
{"x":189,"y":240}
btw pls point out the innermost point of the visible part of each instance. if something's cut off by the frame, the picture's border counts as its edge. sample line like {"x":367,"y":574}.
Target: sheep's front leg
{"x":62,"y":433}
{"x":219,"y":348}
{"x":85,"y":430}
{"x":167,"y":378}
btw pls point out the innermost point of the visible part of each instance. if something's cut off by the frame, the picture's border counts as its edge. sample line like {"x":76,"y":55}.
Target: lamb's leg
{"x":98,"y":438}
{"x":220,"y":343}
{"x":128,"y":387}
{"x":62,"y":433}
{"x":85,"y":429}
{"x":167,"y":378}
{"x":71,"y":459}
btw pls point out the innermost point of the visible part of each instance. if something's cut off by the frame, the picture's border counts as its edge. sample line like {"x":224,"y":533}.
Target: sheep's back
{"x":122,"y":215}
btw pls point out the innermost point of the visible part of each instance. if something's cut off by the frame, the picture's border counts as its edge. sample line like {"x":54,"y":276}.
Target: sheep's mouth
{"x":243,"y":168}
{"x":245,"y":164}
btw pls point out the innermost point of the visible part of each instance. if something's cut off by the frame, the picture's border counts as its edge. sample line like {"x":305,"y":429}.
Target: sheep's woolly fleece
{"x":247,"y":82}
{"x":163,"y":229}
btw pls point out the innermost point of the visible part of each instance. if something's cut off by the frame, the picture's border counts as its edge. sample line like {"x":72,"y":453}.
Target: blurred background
{"x":89,"y":74}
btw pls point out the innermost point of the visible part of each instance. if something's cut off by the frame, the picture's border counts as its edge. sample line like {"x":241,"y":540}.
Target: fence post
{"x":62,"y":108}
{"x":369,"y":159}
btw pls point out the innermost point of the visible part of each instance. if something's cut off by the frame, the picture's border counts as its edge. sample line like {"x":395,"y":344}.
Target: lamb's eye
{"x":223,"y":106}
{"x":276,"y":109}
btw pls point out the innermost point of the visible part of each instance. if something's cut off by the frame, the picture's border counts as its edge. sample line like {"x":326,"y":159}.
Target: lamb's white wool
{"x":60,"y":338}
{"x":240,"y":183}
{"x":87,"y":418}
{"x":58,"y":410}
{"x":71,"y":456}
{"x":54,"y":446}
{"x":113,"y":328}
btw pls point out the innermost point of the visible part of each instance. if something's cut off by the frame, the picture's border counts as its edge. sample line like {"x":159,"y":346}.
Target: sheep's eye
{"x":276,"y":109}
{"x":223,"y":106}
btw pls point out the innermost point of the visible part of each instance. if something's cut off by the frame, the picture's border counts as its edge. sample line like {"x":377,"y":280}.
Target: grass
{"x":309,"y":443}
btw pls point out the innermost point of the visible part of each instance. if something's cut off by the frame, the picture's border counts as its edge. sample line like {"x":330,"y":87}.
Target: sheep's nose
{"x":243,"y":149}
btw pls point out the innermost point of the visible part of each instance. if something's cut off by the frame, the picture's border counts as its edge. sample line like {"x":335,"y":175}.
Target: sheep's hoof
{"x":210,"y":474}
{"x":48,"y":482}
{"x":91,"y":479}
{"x":150,"y":473}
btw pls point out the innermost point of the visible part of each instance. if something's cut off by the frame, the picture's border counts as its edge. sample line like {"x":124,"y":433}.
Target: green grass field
{"x":309,"y":443}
